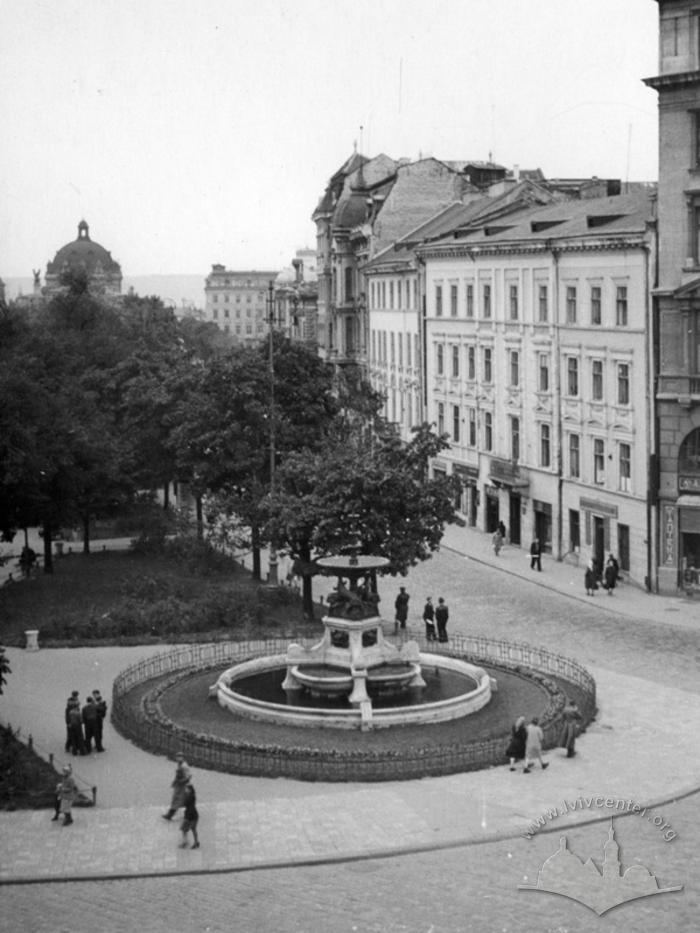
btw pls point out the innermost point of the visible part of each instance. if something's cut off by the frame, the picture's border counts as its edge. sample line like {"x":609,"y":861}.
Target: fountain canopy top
{"x":352,"y":564}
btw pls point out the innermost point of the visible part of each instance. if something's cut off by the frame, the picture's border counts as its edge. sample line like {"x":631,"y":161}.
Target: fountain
{"x":354,"y":677}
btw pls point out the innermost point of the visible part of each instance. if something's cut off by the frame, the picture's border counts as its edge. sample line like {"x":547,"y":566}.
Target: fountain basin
{"x":476,"y":693}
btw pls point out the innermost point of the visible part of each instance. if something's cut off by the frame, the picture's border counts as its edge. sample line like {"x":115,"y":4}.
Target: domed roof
{"x":83,"y":253}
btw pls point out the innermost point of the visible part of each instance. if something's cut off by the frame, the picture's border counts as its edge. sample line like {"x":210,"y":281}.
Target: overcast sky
{"x":188,"y":132}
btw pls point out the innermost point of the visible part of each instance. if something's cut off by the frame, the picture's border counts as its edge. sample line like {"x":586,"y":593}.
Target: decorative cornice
{"x":680,"y":79}
{"x":473,"y":251}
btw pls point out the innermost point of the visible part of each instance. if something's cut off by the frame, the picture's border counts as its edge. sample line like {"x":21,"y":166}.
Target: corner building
{"x":536,"y":366}
{"x":676,"y":477}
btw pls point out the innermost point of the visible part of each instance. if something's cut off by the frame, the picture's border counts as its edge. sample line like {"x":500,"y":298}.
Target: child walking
{"x":191,"y":817}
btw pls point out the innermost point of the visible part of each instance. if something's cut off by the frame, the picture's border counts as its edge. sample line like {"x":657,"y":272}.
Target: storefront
{"x":469,"y":497}
{"x":543,"y":524}
{"x":509,"y":480}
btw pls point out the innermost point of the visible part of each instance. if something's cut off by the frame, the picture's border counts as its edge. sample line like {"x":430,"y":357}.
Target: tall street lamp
{"x":272,"y":575}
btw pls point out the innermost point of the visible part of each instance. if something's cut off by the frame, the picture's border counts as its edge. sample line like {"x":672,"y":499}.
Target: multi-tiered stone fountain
{"x":354,"y":677}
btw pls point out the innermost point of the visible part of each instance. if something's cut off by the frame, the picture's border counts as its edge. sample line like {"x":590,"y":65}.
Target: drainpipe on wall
{"x":556,"y":367}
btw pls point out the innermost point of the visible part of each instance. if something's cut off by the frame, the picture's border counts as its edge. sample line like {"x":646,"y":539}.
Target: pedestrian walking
{"x":536,"y":555}
{"x":89,"y":717}
{"x":533,"y":745}
{"x":101,"y":707}
{"x":401,"y":609}
{"x":442,"y":614}
{"x":68,"y":791}
{"x":518,"y":737}
{"x":610,"y":575}
{"x":497,"y":541}
{"x":180,"y":781}
{"x":571,"y":719}
{"x":502,"y":529}
{"x":589,"y":579}
{"x":190,"y":818}
{"x":429,"y":619}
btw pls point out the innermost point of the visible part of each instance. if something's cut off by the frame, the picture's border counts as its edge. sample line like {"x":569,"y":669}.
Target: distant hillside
{"x":172,"y":289}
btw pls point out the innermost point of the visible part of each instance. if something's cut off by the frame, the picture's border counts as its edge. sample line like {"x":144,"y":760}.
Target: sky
{"x":192,"y":132}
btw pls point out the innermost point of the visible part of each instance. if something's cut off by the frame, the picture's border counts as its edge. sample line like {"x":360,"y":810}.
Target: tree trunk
{"x":255,"y":547}
{"x":307,"y":597}
{"x":200,"y":518}
{"x":86,"y":533}
{"x":166,"y":495}
{"x":48,"y":555}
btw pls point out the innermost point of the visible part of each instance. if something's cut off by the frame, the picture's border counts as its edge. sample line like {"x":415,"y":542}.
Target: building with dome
{"x":83,"y":255}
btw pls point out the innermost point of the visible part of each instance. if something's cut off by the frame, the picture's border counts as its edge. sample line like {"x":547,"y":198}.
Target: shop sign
{"x":669,"y":534}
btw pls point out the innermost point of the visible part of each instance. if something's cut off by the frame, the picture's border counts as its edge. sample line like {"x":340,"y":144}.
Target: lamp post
{"x":272,"y":574}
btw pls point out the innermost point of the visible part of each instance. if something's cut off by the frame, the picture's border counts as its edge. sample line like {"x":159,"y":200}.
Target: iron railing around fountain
{"x":147,"y":727}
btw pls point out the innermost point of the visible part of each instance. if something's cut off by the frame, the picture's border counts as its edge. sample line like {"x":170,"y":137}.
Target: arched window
{"x":689,"y":453}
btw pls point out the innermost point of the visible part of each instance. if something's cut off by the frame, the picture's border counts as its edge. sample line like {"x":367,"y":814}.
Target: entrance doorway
{"x":491,"y":512}
{"x":515,"y":518}
{"x":599,"y":543}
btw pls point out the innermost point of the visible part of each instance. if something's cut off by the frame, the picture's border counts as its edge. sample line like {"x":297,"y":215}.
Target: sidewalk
{"x":248,"y":823}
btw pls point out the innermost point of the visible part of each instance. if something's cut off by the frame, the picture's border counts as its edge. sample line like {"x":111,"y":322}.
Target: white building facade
{"x":537,"y":367}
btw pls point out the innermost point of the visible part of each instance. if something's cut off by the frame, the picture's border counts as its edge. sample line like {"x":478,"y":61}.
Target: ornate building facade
{"x":676,"y":474}
{"x":239,"y":302}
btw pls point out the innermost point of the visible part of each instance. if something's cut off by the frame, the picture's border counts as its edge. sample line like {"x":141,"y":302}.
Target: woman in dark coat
{"x":516,"y":746}
{"x":610,"y":575}
{"x":571,"y":718}
{"x":589,"y":579}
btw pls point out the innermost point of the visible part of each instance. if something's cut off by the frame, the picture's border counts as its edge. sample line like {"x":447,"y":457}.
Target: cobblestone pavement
{"x":644,"y":652}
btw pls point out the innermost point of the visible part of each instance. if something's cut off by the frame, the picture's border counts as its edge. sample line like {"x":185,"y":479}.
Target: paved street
{"x":644,"y":652}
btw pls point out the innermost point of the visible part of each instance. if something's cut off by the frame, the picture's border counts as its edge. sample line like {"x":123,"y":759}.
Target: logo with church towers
{"x":566,"y":874}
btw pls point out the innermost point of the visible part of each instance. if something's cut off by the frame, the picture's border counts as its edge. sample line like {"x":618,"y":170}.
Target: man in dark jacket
{"x":401,"y":609}
{"x":89,"y":717}
{"x":101,"y":707}
{"x":441,"y":616}
{"x":536,"y":555}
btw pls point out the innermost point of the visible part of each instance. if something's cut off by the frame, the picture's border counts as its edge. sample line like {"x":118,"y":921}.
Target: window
{"x":596,"y":306}
{"x":455,"y":423}
{"x":391,"y":294}
{"x":438,"y":300}
{"x":453,"y":300}
{"x":623,"y":546}
{"x":513,"y":302}
{"x":392,"y":353}
{"x":572,"y":376}
{"x":625,"y":467}
{"x":227,"y":313}
{"x":215,"y":313}
{"x":623,"y":384}
{"x":515,"y":438}
{"x":348,"y":284}
{"x":488,"y":430}
{"x":399,"y":347}
{"x":471,"y":363}
{"x":455,"y":361}
{"x":571,"y":304}
{"x":574,"y":530}
{"x":597,"y":380}
{"x":487,"y":300}
{"x":441,"y":418}
{"x":440,"y":360}
{"x":408,"y":350}
{"x":215,"y":299}
{"x":470,"y":300}
{"x":621,"y":306}
{"x":472,"y":427}
{"x":488,"y":375}
{"x":598,"y":462}
{"x":574,"y":456}
{"x":514,"y":368}
{"x":374,"y":346}
{"x":545,"y":446}
{"x":543,"y":303}
{"x":543,"y":372}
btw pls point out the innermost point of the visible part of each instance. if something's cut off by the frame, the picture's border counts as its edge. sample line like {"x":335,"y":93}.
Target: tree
{"x":378,"y":495}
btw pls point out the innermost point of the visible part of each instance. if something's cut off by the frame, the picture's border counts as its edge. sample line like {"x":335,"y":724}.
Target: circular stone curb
{"x":147,"y":725}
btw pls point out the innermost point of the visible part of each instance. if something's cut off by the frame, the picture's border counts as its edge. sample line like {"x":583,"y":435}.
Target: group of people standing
{"x":526,"y":739}
{"x":607,"y":576}
{"x":85,"y":723}
{"x":435,"y":618}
